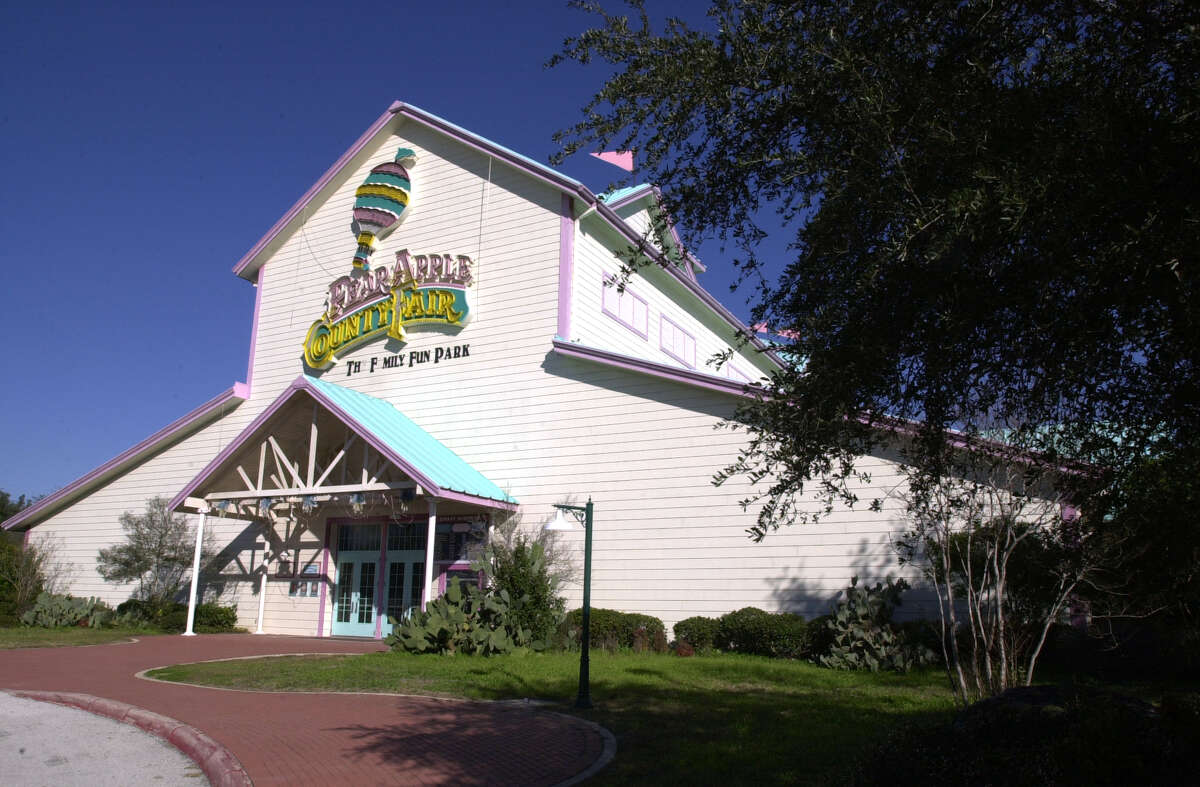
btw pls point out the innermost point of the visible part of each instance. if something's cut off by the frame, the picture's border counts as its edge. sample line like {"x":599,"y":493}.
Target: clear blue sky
{"x":146,"y":147}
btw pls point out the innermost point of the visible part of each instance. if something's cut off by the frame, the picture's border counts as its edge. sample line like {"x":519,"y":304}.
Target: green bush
{"x":522,"y":572}
{"x":463,"y":620}
{"x":699,"y":632}
{"x":863,"y":635}
{"x":756,"y":631}
{"x":613,"y":630}
{"x":15,"y":595}
{"x":210,"y":618}
{"x":55,"y":611}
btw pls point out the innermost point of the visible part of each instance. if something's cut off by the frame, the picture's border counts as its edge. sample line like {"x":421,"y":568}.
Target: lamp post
{"x":582,"y":514}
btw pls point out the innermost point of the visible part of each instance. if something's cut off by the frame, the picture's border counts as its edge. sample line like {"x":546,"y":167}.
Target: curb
{"x":218,"y":763}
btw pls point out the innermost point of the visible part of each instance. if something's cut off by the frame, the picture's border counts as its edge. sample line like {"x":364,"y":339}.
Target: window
{"x":626,"y":308}
{"x":735,"y":374}
{"x":678,"y":343}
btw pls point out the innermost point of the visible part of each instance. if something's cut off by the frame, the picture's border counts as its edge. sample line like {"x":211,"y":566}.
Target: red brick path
{"x":298,"y":739}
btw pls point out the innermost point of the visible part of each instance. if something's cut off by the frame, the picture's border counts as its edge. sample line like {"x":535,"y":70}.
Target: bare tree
{"x":1004,"y":555}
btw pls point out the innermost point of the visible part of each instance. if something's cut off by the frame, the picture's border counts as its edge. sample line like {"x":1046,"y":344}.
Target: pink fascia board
{"x":313,"y":190}
{"x":694,"y":287}
{"x":654,"y":369}
{"x":258,"y":297}
{"x":172,"y":431}
{"x":301,"y":385}
{"x":632,"y":197}
{"x":566,"y":264}
{"x":399,"y":108}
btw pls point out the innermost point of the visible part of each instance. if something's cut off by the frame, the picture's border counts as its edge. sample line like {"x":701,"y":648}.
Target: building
{"x":456,"y":354}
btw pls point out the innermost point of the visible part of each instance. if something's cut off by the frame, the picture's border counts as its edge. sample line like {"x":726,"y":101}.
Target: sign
{"x":419,"y":290}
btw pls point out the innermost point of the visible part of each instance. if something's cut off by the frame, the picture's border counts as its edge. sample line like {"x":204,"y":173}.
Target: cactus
{"x":464,"y":620}
{"x":54,"y":611}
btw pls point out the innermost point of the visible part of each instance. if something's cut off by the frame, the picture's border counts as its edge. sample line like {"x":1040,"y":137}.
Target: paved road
{"x":299,"y":739}
{"x":46,"y":744}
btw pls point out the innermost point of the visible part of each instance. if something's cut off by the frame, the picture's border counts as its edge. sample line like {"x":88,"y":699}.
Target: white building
{"x":476,"y":365}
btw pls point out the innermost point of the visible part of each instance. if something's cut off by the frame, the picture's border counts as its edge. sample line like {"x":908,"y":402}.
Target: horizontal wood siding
{"x":545,"y":427}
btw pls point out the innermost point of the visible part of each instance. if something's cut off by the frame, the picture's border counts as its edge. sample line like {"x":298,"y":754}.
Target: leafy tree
{"x":157,"y":553}
{"x":10,"y":507}
{"x":992,"y":211}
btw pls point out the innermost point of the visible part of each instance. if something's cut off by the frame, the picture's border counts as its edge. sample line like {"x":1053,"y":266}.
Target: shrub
{"x":699,"y":632}
{"x":521,"y":570}
{"x":611,"y":629}
{"x":463,"y":620}
{"x":756,"y":631}
{"x":210,"y":618}
{"x":55,"y":611}
{"x":862,"y":633}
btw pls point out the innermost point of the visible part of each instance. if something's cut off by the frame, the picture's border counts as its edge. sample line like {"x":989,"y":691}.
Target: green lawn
{"x":704,"y":720}
{"x":33,"y":637}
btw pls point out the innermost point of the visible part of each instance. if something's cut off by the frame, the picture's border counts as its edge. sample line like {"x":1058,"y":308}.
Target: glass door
{"x":354,"y":605}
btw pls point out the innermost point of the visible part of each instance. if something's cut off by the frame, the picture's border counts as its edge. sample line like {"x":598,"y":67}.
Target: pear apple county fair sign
{"x":419,"y":290}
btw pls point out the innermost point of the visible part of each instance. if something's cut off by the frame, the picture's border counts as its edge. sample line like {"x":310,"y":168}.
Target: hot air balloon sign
{"x":379,"y":203}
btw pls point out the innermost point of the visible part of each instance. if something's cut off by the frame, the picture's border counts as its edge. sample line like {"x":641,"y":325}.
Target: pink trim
{"x":663,"y":346}
{"x":660,"y":370}
{"x":324,"y":579}
{"x":398,"y":108}
{"x":605,"y":287}
{"x":379,"y":572}
{"x":446,"y":566}
{"x":486,"y":502}
{"x":313,"y":190}
{"x":298,"y":385}
{"x":566,"y":264}
{"x":632,"y":197}
{"x":258,"y":296}
{"x":537,"y":171}
{"x":82,"y":485}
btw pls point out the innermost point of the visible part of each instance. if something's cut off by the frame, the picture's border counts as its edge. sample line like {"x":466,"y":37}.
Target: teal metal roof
{"x":410,"y":446}
{"x":620,"y":194}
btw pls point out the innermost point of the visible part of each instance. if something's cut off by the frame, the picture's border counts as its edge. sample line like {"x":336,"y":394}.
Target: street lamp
{"x":581,"y":514}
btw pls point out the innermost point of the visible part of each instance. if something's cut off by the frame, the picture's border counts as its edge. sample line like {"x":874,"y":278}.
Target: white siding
{"x":548,"y":428}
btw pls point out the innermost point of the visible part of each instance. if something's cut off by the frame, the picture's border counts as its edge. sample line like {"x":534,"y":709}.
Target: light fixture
{"x":308,"y":504}
{"x":560,"y":523}
{"x":358,"y":502}
{"x":580,"y":515}
{"x":264,"y":504}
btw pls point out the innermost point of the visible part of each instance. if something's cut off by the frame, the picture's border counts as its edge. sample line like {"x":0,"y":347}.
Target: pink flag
{"x":618,"y":158}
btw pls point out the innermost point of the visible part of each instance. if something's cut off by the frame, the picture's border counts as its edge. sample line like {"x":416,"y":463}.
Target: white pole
{"x":262,"y":587}
{"x":191,"y":618}
{"x":427,"y":592}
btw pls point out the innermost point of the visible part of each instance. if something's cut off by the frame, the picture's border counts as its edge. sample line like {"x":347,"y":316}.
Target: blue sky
{"x":146,"y":147}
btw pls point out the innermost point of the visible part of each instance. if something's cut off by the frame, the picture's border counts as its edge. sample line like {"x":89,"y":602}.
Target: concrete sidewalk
{"x":299,"y":739}
{"x":46,"y":744}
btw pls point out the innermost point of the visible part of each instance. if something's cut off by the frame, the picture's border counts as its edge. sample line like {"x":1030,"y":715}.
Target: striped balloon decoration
{"x":379,"y":203}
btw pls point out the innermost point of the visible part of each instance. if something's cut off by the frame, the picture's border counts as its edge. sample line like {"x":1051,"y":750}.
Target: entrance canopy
{"x":319,"y":442}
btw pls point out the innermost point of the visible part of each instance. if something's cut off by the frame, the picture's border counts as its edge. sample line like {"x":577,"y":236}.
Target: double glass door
{"x":362,"y":595}
{"x":354,"y":603}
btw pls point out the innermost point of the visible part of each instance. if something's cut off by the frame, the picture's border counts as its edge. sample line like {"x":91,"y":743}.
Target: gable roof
{"x":249,"y":264}
{"x":420,"y":456}
{"x":214,"y":408}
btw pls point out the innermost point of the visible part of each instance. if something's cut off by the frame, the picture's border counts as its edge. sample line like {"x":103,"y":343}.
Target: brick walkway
{"x":298,"y":739}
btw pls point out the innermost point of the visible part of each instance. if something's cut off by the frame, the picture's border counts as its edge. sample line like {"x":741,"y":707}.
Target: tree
{"x":991,"y":540}
{"x":157,"y":553}
{"x":993,"y":214}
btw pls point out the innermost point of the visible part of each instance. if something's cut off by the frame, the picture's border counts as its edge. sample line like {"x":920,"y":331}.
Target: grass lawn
{"x":34,"y":637}
{"x":704,"y":720}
